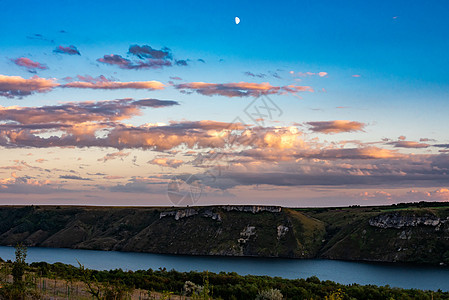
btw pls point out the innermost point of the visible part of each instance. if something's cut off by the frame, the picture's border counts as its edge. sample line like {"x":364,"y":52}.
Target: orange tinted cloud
{"x":16,"y":86}
{"x":166,"y":162}
{"x":336,"y":126}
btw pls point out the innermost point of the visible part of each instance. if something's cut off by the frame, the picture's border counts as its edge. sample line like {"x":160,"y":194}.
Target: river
{"x":395,"y":275}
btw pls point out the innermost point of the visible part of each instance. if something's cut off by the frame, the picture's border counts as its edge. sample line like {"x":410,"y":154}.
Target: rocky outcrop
{"x":209,"y":213}
{"x":282,"y":230}
{"x":252,"y":208}
{"x":246,"y":234}
{"x":398,"y":220}
{"x":179,"y":214}
{"x":189,"y":212}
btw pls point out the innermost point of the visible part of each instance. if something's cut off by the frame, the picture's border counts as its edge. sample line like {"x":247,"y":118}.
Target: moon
{"x":237,"y":20}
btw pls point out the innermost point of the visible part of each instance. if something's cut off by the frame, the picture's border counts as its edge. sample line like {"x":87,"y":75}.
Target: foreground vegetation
{"x":24,"y":281}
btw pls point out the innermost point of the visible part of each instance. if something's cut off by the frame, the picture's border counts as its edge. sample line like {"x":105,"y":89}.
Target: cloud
{"x":38,"y":36}
{"x":146,"y":51}
{"x":45,"y":117}
{"x":137,"y":184}
{"x":124,"y":63}
{"x":74,"y":177}
{"x":305,"y":74}
{"x":160,"y":137}
{"x":145,"y":57}
{"x":350,"y":171}
{"x":302,"y":150}
{"x":115,"y":85}
{"x":166,"y":162}
{"x":408,"y":144}
{"x":240,"y":89}
{"x":250,"y":74}
{"x":115,"y":155}
{"x":70,"y":50}
{"x":336,"y":126}
{"x":16,"y":86}
{"x":155,"y":103}
{"x":32,"y":66}
{"x":113,"y":177}
{"x":77,"y":112}
{"x":181,"y":62}
{"x":25,"y":185}
{"x":441,"y":145}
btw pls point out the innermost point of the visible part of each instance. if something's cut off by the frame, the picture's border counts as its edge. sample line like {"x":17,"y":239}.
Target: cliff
{"x":410,"y":233}
{"x":223,"y":230}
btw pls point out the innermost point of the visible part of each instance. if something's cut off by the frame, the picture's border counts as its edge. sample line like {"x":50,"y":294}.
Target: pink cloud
{"x":240,"y":89}
{"x":70,"y":50}
{"x":29,"y":64}
{"x":114,"y":85}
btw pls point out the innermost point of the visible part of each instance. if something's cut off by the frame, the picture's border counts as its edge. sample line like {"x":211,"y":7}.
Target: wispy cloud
{"x":74,"y":177}
{"x":115,"y":155}
{"x":408,"y":144}
{"x":336,"y":126}
{"x":115,"y":85}
{"x":250,"y":74}
{"x":240,"y":89}
{"x":16,"y":86}
{"x":305,"y":74}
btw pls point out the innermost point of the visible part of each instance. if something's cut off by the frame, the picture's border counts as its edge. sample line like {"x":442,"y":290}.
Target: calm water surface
{"x":405,"y":276}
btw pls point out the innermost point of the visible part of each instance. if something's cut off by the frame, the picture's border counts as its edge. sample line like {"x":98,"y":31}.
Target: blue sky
{"x":381,"y":67}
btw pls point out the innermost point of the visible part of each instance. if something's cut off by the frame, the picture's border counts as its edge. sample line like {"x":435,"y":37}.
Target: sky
{"x":302,"y":103}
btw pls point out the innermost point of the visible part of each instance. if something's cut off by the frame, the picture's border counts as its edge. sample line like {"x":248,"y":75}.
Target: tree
{"x":19,"y":265}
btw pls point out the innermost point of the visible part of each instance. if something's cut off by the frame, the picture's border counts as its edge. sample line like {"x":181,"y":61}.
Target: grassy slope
{"x":336,"y":233}
{"x":349,"y":235}
{"x":141,"y":230}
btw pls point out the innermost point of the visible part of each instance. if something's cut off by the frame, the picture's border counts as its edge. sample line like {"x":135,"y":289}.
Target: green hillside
{"x":417,"y":233}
